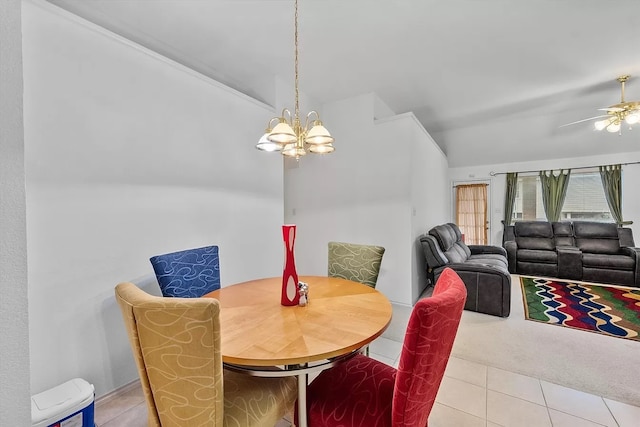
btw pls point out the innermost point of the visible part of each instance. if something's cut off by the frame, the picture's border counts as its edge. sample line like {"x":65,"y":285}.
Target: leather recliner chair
{"x":482,"y":268}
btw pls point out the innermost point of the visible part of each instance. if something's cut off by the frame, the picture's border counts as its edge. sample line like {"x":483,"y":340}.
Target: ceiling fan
{"x":625,"y":111}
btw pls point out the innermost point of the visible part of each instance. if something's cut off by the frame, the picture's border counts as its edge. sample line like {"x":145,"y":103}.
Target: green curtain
{"x":510,"y":197}
{"x":612,"y":183}
{"x":554,"y":190}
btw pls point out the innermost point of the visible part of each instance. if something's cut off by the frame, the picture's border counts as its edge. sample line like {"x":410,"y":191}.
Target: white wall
{"x":15,"y":408}
{"x":631,"y":178}
{"x":364,"y":192}
{"x":129,"y":155}
{"x":429,"y":193}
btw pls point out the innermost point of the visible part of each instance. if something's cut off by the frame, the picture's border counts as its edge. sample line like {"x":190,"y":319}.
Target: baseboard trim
{"x":117,"y":392}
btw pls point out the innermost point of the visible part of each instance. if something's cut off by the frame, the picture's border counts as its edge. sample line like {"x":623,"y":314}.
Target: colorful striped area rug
{"x":610,"y":310}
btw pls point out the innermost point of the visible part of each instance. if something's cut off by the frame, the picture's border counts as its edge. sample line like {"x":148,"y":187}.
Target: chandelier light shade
{"x":289,"y":136}
{"x":618,"y":114}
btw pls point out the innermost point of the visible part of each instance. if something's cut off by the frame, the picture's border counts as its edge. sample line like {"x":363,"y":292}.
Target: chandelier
{"x":627,"y":112}
{"x":289,"y":136}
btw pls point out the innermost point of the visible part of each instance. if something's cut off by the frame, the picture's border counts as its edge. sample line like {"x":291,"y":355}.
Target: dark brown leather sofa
{"x":578,"y":250}
{"x":482,"y":268}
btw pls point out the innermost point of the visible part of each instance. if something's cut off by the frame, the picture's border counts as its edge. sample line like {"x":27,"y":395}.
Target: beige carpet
{"x":593,"y":363}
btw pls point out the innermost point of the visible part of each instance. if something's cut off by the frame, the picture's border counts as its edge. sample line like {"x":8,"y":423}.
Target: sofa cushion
{"x":447,"y":235}
{"x":493,"y":259}
{"x":533,"y":229}
{"x":562,"y":229}
{"x":456,"y":254}
{"x":563,"y":233}
{"x":591,"y":229}
{"x":449,"y":238}
{"x":537,"y":235}
{"x":597,"y":237}
{"x":598,"y":246}
{"x":499,"y":264}
{"x":539,"y":256}
{"x":604,"y":261}
{"x":537,"y":269}
{"x":535,"y":243}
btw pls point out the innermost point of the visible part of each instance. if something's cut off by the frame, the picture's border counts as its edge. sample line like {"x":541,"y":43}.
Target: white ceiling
{"x":490,"y":80}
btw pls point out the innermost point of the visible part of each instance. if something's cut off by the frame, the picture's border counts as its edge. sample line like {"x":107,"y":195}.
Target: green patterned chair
{"x":359,"y":263}
{"x":176,"y":345}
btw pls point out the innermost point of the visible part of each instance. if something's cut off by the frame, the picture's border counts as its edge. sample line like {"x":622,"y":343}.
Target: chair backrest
{"x":176,"y":345}
{"x":431,"y":330}
{"x":359,"y":263}
{"x":188,"y":274}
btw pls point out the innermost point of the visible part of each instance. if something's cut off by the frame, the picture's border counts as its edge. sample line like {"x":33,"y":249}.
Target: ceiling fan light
{"x":633,"y":118}
{"x":601,"y":124}
{"x":614,"y":127}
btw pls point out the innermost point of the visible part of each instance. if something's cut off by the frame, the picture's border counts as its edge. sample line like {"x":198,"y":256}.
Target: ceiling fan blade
{"x":614,"y":109}
{"x":584,"y":120}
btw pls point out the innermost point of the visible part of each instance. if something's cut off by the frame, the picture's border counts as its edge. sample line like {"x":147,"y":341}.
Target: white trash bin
{"x":68,"y":405}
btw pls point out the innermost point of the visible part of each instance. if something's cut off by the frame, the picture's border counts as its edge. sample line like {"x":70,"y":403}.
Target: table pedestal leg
{"x":302,"y":400}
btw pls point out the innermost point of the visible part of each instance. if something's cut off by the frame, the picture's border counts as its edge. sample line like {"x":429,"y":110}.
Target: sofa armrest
{"x":432,"y":252}
{"x":511,"y":247}
{"x":486,"y":249}
{"x":635,"y":254}
{"x":488,"y":287}
{"x":477,"y":268}
{"x":629,"y":251}
{"x":569,"y":262}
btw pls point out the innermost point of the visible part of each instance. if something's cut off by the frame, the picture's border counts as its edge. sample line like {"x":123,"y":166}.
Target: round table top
{"x":256,"y":330}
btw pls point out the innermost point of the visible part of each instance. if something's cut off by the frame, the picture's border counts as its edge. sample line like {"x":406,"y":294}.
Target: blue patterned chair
{"x":188,"y":274}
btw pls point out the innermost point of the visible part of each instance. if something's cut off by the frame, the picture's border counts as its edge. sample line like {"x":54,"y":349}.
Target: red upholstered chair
{"x":366,"y":393}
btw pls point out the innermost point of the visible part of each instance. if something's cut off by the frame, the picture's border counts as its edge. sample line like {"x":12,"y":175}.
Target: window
{"x":585,"y":199}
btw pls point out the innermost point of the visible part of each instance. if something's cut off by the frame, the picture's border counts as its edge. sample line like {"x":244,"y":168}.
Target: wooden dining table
{"x":261,"y":337}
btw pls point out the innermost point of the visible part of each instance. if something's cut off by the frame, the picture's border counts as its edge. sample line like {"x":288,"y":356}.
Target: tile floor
{"x":470,"y":395}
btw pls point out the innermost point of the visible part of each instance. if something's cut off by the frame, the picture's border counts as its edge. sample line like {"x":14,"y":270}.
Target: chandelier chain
{"x":295,"y":38}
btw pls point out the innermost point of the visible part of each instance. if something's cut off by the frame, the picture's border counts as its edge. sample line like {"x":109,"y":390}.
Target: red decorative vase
{"x":289,"y":276}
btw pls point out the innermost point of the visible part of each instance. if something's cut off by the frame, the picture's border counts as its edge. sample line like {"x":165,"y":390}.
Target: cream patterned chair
{"x":359,"y":263}
{"x":176,"y":345}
